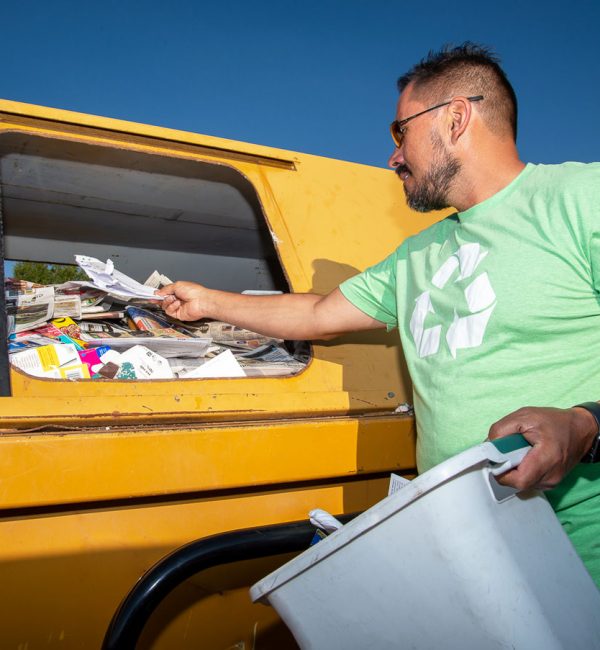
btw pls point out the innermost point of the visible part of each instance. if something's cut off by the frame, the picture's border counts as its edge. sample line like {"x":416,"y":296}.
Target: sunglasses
{"x":398,"y":127}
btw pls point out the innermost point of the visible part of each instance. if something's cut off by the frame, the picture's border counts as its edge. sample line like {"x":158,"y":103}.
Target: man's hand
{"x":185,"y":300}
{"x":560,"y":438}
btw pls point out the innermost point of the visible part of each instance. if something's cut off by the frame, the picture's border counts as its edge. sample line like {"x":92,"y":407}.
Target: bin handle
{"x":513,"y":449}
{"x":496,"y":456}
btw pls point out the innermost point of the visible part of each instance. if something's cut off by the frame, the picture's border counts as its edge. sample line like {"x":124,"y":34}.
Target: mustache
{"x":401,"y":169}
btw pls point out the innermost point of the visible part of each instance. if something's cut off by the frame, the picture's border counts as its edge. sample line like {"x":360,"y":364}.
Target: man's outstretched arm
{"x":292,"y":316}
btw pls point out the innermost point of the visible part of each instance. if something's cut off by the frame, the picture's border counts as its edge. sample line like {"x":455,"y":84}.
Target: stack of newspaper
{"x":112,"y":327}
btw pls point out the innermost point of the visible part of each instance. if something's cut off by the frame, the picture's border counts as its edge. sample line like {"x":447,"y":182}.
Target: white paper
{"x":166,"y":347}
{"x":29,"y":308}
{"x":182,"y":365}
{"x":147,"y":364}
{"x":47,"y":360}
{"x":223,"y":365}
{"x":104,"y":276}
{"x":67,"y":305}
{"x":111,"y":356}
{"x":157,"y":280}
{"x":323,"y":520}
{"x":270,"y":369}
{"x":27,"y":341}
{"x":397,"y":483}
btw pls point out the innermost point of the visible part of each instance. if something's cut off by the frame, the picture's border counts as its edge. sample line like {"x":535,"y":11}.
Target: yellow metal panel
{"x":63,"y":574}
{"x":46,"y":469}
{"x":62,"y":119}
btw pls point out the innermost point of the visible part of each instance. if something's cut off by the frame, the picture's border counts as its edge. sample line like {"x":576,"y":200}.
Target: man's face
{"x":423,"y":162}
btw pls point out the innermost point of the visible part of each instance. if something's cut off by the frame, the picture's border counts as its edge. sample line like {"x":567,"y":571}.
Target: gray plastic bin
{"x":452,"y":560}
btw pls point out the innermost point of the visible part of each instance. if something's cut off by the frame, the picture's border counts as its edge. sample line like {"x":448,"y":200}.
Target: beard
{"x":431,"y":193}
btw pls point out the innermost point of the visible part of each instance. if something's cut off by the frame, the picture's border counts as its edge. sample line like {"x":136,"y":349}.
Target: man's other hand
{"x":559,"y":437}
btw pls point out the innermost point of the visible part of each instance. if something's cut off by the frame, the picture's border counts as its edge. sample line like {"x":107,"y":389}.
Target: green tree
{"x":47,"y":273}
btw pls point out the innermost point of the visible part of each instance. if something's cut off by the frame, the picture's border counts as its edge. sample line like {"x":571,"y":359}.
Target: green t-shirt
{"x":498,"y":307}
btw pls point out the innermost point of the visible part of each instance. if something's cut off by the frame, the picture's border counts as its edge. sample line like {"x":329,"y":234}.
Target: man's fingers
{"x":505,"y":427}
{"x":526,"y":475}
{"x":536,"y":471}
{"x":516,"y":478}
{"x":522,"y":421}
{"x":171,"y":305}
{"x":167,"y":290}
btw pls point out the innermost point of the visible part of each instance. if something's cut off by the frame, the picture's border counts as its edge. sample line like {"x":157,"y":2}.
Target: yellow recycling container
{"x":102,"y":478}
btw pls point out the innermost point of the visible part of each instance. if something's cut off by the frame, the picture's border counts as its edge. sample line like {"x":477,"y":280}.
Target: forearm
{"x":292,"y":316}
{"x":285,"y":316}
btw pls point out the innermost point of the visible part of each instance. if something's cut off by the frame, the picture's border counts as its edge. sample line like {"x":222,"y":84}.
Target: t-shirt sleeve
{"x":374,"y":290}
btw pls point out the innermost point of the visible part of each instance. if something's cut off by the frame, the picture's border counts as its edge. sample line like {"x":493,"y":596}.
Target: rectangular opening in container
{"x":186,"y":219}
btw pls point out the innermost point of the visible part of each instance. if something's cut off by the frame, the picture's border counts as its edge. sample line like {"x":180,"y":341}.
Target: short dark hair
{"x":467,"y":69}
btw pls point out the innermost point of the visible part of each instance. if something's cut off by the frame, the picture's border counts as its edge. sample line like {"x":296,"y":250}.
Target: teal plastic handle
{"x":510,"y":443}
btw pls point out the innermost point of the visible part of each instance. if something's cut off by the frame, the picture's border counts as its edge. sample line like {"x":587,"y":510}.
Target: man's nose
{"x":396,"y":158}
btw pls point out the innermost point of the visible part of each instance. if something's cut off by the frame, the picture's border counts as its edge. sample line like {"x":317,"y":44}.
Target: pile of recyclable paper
{"x":112,"y":327}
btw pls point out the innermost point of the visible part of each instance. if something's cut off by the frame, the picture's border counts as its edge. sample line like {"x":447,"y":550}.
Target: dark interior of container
{"x":190,"y":220}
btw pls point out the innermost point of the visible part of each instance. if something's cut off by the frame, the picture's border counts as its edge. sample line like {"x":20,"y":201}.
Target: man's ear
{"x":459,"y":112}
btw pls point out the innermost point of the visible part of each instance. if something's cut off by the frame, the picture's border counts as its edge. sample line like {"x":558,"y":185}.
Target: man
{"x":497,"y":305}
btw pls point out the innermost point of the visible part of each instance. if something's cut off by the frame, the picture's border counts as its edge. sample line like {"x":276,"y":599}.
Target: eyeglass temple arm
{"x":475,"y":98}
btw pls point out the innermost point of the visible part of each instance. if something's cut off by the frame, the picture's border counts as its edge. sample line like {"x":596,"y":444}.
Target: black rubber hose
{"x":158,"y":582}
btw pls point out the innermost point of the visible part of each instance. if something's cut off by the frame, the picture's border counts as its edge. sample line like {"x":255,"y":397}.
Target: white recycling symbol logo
{"x":464,"y":331}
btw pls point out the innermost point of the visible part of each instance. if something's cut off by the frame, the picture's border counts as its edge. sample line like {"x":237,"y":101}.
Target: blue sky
{"x":316,"y":77}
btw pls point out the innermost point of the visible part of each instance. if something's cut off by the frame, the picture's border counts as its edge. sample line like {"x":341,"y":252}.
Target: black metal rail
{"x":158,"y":582}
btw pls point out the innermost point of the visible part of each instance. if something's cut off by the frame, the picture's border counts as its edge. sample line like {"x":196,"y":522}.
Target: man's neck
{"x":483,"y":181}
